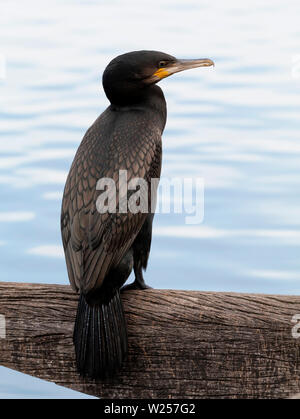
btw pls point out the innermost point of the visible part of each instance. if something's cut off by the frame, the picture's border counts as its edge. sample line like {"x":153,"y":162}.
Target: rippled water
{"x":237,"y":125}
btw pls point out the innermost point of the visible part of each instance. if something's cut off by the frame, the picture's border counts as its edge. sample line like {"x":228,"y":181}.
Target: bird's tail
{"x":100,"y":336}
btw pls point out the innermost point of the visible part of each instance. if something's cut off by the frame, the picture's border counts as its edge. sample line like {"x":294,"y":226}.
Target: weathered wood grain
{"x":182,"y":344}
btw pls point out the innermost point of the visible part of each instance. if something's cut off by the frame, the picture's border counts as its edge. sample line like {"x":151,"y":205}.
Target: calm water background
{"x":236,"y":125}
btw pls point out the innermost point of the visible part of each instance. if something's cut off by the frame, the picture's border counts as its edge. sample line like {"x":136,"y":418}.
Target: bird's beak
{"x":179,"y":65}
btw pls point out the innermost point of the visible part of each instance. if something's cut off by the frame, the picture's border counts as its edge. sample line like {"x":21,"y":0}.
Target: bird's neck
{"x":150,"y":99}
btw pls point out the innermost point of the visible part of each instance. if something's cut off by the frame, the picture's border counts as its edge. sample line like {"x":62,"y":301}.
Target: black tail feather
{"x":100,"y":336}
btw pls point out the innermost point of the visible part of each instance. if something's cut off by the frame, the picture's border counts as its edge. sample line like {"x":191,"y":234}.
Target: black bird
{"x":102,"y":248}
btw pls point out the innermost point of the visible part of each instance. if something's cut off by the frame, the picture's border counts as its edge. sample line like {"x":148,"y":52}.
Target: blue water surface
{"x":236,"y":126}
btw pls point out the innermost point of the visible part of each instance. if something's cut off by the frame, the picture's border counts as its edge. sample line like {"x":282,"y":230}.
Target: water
{"x":14,"y":384}
{"x":237,"y":125}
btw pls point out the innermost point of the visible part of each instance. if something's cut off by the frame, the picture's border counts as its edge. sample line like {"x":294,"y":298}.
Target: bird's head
{"x":127,"y":76}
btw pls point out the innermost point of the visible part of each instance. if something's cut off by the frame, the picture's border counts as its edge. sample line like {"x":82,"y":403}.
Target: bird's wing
{"x":94,"y":242}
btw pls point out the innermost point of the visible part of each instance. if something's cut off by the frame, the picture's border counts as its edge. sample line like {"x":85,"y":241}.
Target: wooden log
{"x":182,"y":344}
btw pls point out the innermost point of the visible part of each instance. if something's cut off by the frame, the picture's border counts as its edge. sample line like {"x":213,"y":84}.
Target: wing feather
{"x":95,"y":242}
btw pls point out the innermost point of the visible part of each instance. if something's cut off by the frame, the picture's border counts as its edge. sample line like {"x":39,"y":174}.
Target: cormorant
{"x":101,"y":249}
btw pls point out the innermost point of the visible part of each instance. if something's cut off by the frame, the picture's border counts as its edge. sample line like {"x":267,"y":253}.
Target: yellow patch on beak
{"x":161,"y":73}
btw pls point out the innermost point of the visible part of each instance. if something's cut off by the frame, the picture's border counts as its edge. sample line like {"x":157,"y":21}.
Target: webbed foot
{"x":136,"y":285}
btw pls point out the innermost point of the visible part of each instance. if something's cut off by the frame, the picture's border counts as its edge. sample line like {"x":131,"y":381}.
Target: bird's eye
{"x":162,"y":64}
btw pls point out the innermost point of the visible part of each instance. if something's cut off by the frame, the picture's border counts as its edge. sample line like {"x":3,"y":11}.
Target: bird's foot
{"x":136,"y":285}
